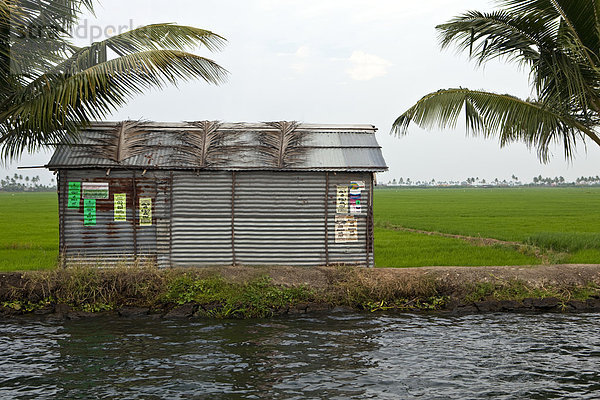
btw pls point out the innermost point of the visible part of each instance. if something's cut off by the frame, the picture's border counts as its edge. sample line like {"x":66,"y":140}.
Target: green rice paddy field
{"x":555,"y":225}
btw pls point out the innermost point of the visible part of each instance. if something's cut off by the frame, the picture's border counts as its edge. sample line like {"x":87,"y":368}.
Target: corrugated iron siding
{"x":280,"y":218}
{"x":201,"y":223}
{"x":219,"y":218}
{"x":110,"y":241}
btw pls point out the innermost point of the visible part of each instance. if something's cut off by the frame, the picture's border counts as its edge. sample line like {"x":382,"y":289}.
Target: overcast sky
{"x":335,"y":61}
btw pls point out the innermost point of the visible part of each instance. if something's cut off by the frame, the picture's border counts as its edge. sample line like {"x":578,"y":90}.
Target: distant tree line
{"x":20,"y":183}
{"x":513,"y":181}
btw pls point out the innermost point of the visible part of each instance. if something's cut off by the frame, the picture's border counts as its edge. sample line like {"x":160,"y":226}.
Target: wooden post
{"x":171,"y":220}
{"x":134,"y":210}
{"x":370,"y":223}
{"x":327,"y":218}
{"x":62,"y":209}
{"x":233,"y":176}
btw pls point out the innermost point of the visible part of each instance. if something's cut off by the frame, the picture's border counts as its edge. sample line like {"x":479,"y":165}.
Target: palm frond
{"x":207,"y":147}
{"x":57,"y":108}
{"x":497,"y":34}
{"x":50,"y":89}
{"x":150,"y":37}
{"x":127,"y":140}
{"x":282,"y":147}
{"x":488,"y":114}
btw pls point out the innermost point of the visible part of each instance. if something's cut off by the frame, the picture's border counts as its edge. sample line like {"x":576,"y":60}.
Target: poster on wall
{"x":355,"y":198}
{"x":346,"y":229}
{"x":74,"y":195}
{"x":94,"y":190}
{"x":120,"y":207}
{"x":146,"y":212}
{"x":89,"y":212}
{"x":342,"y":200}
{"x":355,"y":204}
{"x":356,"y":187}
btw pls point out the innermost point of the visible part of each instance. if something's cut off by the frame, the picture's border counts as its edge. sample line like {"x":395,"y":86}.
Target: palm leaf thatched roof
{"x":214,"y":145}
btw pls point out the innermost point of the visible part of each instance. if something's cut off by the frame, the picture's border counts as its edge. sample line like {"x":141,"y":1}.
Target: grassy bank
{"x":263,"y":292}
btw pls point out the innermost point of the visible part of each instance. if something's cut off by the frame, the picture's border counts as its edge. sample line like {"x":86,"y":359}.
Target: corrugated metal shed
{"x":239,"y":208}
{"x":327,"y":147}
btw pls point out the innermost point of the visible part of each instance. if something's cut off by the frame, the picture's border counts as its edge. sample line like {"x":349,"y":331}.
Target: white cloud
{"x":367,"y":66}
{"x":301,"y":62}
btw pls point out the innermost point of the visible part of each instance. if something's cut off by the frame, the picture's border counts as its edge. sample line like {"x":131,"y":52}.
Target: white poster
{"x":356,"y":187}
{"x":346,"y":229}
{"x":94,"y":190}
{"x":342,"y":200}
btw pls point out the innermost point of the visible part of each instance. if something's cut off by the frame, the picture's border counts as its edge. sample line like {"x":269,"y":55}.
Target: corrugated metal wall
{"x":201,"y":222}
{"x":280,"y":218}
{"x":108,"y":240}
{"x":219,"y":218}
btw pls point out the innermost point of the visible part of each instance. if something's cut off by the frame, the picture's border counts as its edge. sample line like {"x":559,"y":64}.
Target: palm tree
{"x":559,"y":41}
{"x":50,"y":88}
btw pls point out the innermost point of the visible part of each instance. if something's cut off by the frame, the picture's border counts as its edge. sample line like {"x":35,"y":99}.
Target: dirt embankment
{"x":245,"y":292}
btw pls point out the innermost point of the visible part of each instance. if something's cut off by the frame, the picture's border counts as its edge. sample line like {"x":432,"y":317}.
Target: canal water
{"x":336,"y":356}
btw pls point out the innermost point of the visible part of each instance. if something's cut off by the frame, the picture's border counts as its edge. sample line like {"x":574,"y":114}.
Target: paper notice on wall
{"x":89,"y":212}
{"x":146,"y":212}
{"x":355,"y":204}
{"x":94,"y":190}
{"x":120,"y":207}
{"x":342,"y":200}
{"x":346,"y":229}
{"x":74,"y":195}
{"x":356,"y":187}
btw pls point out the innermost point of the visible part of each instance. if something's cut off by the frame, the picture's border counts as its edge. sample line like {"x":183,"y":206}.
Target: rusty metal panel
{"x":109,"y":240}
{"x":279,"y":218}
{"x":201,"y":225}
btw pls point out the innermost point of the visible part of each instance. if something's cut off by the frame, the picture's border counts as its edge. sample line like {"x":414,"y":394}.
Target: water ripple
{"x":340,"y":356}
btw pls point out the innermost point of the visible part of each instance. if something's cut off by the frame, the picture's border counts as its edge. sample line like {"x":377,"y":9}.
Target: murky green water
{"x":338,"y":356}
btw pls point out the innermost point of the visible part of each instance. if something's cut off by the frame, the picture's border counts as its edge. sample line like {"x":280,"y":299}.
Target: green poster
{"x":146,"y":212}
{"x":89,"y":212}
{"x":74,"y":195}
{"x":120,"y":207}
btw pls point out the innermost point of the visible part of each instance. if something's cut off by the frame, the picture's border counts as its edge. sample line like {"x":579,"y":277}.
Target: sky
{"x":333,"y":61}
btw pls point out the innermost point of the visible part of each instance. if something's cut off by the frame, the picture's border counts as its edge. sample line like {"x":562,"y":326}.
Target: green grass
{"x":565,"y":220}
{"x":502,"y":213}
{"x":28,"y":231}
{"x":560,"y":219}
{"x":406,"y":249}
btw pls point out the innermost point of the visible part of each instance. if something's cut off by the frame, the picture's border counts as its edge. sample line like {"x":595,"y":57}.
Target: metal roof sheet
{"x":324,"y":147}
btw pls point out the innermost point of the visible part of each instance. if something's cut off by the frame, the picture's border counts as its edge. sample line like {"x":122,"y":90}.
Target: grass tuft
{"x":565,"y":242}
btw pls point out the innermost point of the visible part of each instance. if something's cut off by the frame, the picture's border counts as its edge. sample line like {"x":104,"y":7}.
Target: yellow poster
{"x":120,"y":207}
{"x":145,"y":212}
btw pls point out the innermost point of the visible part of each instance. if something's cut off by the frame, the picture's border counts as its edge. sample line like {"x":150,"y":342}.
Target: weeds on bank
{"x":87,"y":288}
{"x":518,"y":290}
{"x":364,"y":290}
{"x":218,"y":298}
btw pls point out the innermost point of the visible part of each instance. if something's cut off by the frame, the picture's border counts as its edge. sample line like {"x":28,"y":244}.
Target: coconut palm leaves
{"x":281,"y":147}
{"x":128,"y":139}
{"x":49,"y":89}
{"x":559,"y":41}
{"x":204,"y":147}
